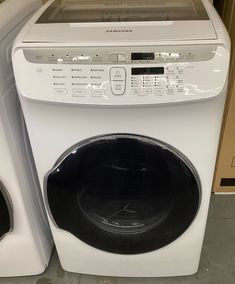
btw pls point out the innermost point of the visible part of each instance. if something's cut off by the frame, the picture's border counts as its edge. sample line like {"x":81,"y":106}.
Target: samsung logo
{"x":119,"y":31}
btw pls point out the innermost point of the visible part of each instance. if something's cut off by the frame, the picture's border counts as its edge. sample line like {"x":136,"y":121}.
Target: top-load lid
{"x":96,"y":11}
{"x":122,"y":21}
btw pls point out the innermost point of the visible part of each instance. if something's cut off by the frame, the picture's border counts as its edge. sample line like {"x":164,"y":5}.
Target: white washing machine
{"x":124,"y":108}
{"x":25,"y":238}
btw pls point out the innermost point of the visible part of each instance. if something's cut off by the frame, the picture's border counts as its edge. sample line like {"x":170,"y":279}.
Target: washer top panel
{"x":122,"y":22}
{"x":90,"y":11}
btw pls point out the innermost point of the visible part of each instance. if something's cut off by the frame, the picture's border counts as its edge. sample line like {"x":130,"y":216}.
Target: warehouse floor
{"x":217,"y":262}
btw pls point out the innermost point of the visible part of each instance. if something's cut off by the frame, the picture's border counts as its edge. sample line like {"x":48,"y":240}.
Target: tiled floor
{"x":217,"y":262}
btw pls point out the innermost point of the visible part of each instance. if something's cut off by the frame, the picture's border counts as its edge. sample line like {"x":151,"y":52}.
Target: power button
{"x":118,"y":80}
{"x":118,"y":74}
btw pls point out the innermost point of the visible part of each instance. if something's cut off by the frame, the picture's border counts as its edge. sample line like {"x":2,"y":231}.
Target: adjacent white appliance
{"x":124,"y":108}
{"x":25,"y":238}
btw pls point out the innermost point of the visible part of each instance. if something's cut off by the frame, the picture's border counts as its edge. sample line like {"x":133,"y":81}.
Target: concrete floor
{"x":217,"y":262}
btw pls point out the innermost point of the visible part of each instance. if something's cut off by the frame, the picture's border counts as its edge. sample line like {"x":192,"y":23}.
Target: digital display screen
{"x":142,"y":56}
{"x":148,"y":71}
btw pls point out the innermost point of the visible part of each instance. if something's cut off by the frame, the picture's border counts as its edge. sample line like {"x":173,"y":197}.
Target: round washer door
{"x":5,"y":212}
{"x":123,"y":193}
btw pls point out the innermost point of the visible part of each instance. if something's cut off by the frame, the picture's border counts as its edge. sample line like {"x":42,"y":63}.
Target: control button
{"x":181,"y":57}
{"x":97,"y":59}
{"x":118,"y":74}
{"x":98,"y":92}
{"x":135,"y":91}
{"x":170,"y":91}
{"x":147,"y":91}
{"x":122,"y":57}
{"x":158,"y":57}
{"x":52,"y":60}
{"x":175,"y":55}
{"x":118,"y":87}
{"x":84,"y":58}
{"x":147,"y":78}
{"x":81,"y":58}
{"x":113,"y":57}
{"x":78,"y":92}
{"x":145,"y":85}
{"x":59,"y":84}
{"x":135,"y":82}
{"x":171,"y":77}
{"x":165,"y":55}
{"x":60,"y":91}
{"x":181,"y":69}
{"x":159,"y":85}
{"x":159,"y":80}
{"x":118,"y":80}
{"x":180,"y":81}
{"x":190,"y":56}
{"x":170,"y":69}
{"x":180,"y":88}
{"x":67,"y":59}
{"x":135,"y":85}
{"x":159,"y":92}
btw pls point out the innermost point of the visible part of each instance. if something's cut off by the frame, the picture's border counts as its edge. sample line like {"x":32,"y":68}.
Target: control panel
{"x":121,"y":55}
{"x":158,"y":81}
{"x":137,"y":75}
{"x":119,"y":81}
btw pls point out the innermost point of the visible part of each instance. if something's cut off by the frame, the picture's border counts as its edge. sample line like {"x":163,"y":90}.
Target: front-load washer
{"x":25,"y":238}
{"x":124,"y":108}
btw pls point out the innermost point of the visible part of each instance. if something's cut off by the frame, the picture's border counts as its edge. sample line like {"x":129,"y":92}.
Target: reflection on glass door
{"x":123,"y":193}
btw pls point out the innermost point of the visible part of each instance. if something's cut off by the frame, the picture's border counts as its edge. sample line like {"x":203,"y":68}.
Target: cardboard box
{"x":224,"y":181}
{"x":225,"y":169}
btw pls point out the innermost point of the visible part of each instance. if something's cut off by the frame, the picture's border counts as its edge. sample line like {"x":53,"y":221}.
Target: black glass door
{"x":123,"y":193}
{"x":5,"y":212}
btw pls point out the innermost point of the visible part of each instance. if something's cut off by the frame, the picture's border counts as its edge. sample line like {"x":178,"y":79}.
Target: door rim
{"x":9,"y":204}
{"x":92,"y":139}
